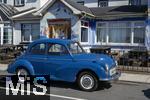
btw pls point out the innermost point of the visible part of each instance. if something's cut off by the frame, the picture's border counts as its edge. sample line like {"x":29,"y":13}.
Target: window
{"x":120,"y":32}
{"x":134,"y":2}
{"x":84,"y":31}
{"x":7,"y":36}
{"x":30,"y":32}
{"x":101,"y":32}
{"x":81,"y":2}
{"x":3,"y":1}
{"x":38,"y":49}
{"x":102,"y":3}
{"x":19,"y":2}
{"x":57,"y":49}
{"x":139,"y":32}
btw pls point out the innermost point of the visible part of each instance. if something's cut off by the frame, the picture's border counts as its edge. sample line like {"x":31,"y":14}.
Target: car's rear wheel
{"x":87,"y":81}
{"x":22,"y":75}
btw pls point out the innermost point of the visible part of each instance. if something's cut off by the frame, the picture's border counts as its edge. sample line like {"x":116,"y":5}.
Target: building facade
{"x":119,"y":24}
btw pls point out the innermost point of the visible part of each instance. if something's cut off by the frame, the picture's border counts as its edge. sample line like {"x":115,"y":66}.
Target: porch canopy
{"x":116,"y":12}
{"x":6,"y":11}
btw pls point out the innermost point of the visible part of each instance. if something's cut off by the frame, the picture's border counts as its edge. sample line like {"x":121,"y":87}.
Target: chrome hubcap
{"x":87,"y":82}
{"x":22,"y":74}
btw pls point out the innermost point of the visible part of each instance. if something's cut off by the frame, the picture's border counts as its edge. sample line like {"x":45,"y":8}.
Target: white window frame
{"x":102,"y":43}
{"x":18,"y":4}
{"x":30,"y":37}
{"x":137,"y":44}
{"x":87,"y":33}
{"x":3,"y":1}
{"x":10,"y":38}
{"x":120,"y":44}
{"x":135,"y":2}
{"x":105,"y":1}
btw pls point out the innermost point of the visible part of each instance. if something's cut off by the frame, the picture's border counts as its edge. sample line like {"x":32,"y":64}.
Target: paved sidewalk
{"x":3,"y":67}
{"x":140,"y":78}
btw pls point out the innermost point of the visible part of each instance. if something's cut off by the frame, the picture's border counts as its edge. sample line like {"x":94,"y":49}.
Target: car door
{"x":59,"y":60}
{"x":37,"y":57}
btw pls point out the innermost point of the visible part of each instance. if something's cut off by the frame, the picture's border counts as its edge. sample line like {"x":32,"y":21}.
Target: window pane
{"x":35,"y":32}
{"x":38,"y":49}
{"x":119,"y":35}
{"x":84,"y":34}
{"x":5,"y":1}
{"x":22,"y":2}
{"x":57,"y":49}
{"x":139,"y":35}
{"x":135,"y":2}
{"x":101,"y":25}
{"x":101,"y":34}
{"x":120,"y":24}
{"x":7,"y":36}
{"x":32,"y":30}
{"x":26,"y":34}
{"x":19,"y":2}
{"x":102,"y":3}
{"x":119,"y":32}
{"x":139,"y":24}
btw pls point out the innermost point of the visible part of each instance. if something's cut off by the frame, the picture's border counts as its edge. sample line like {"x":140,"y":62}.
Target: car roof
{"x":59,"y":41}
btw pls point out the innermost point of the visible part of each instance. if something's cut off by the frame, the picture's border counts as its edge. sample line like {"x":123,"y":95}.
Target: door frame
{"x":60,"y":20}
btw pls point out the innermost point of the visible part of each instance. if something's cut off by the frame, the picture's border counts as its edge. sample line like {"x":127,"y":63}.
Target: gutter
{"x":17,"y":19}
{"x":121,"y":15}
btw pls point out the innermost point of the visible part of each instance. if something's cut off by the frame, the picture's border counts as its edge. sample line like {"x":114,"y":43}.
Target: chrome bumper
{"x":113,"y":77}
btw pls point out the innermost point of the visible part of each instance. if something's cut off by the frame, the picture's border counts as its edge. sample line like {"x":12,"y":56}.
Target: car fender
{"x":97,"y":70}
{"x":23,"y":64}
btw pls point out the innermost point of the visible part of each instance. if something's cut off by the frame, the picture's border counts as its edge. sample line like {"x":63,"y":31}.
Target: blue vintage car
{"x":65,"y":60}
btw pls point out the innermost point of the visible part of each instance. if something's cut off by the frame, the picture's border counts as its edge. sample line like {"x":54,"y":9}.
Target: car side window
{"x":38,"y":49}
{"x":57,"y":49}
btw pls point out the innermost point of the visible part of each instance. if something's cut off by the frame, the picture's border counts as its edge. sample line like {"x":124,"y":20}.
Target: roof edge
{"x":24,"y":13}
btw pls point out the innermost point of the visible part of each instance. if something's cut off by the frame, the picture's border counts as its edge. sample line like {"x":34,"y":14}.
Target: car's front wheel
{"x":87,"y":81}
{"x":22,"y":75}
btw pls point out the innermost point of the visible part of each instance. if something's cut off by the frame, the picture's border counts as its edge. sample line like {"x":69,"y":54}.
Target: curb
{"x":136,"y":78}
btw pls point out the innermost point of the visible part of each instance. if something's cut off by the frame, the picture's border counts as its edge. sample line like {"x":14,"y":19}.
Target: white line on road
{"x":51,"y":95}
{"x":66,"y":97}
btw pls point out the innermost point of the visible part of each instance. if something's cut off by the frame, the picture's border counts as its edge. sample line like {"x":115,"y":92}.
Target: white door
{"x":1,"y":33}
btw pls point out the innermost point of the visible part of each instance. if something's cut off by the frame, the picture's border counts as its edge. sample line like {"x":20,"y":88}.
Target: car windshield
{"x":75,"y":48}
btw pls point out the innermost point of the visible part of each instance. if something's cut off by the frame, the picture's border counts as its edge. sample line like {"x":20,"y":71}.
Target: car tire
{"x":87,"y":81}
{"x":22,"y":75}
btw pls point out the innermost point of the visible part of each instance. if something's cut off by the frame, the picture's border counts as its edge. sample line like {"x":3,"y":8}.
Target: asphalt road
{"x":69,"y":91}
